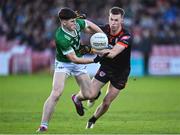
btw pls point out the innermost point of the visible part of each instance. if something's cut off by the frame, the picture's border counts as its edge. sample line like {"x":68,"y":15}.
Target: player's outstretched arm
{"x":92,"y":28}
{"x":73,"y":58}
{"x":117,"y":49}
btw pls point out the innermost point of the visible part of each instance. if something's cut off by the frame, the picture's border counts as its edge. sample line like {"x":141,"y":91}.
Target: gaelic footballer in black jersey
{"x":116,"y":70}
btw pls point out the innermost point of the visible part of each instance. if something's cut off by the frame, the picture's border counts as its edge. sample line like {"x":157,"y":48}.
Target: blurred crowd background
{"x":32,"y":23}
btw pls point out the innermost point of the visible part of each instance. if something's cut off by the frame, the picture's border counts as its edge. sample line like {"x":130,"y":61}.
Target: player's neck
{"x":115,"y":32}
{"x":73,"y":33}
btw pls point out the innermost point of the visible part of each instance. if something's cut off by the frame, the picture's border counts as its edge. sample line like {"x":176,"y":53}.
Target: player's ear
{"x":122,"y":20}
{"x":63,"y":22}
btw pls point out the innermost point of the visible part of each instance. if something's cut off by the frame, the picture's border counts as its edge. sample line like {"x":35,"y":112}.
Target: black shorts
{"x":117,"y":78}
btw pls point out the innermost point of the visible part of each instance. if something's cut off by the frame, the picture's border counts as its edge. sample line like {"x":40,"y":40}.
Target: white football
{"x":99,"y":41}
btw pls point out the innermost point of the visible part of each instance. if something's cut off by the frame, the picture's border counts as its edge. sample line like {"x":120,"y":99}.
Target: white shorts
{"x":70,"y":68}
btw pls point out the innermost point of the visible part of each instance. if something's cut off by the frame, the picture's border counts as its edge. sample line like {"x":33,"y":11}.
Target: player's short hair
{"x":66,"y":14}
{"x":117,"y":11}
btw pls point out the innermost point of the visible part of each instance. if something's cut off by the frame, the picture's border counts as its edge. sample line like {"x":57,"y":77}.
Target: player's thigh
{"x":119,"y":80}
{"x":97,"y":85}
{"x":58,"y":81}
{"x":84,"y":81}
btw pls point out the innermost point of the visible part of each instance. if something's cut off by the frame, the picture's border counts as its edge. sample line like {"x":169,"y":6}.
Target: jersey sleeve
{"x":64,"y":46}
{"x":81,"y":24}
{"x":124,"y":40}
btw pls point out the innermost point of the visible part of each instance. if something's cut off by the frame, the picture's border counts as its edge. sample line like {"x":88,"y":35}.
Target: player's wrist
{"x":92,"y":51}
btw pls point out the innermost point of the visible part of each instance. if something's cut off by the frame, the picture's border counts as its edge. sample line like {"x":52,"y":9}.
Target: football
{"x":99,"y":41}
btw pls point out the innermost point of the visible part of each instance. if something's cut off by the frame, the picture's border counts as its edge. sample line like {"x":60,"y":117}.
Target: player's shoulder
{"x":80,"y":24}
{"x":58,"y":31}
{"x":78,"y":20}
{"x":126,"y":31}
{"x":61,"y":36}
{"x":126,"y":35}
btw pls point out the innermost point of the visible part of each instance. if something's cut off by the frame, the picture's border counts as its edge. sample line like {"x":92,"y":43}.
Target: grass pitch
{"x":149,"y":105}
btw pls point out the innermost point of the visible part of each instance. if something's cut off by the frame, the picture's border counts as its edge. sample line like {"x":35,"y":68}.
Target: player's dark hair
{"x":117,"y":11}
{"x":66,"y":14}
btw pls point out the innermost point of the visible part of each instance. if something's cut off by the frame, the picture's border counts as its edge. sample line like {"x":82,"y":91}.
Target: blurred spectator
{"x":36,"y":20}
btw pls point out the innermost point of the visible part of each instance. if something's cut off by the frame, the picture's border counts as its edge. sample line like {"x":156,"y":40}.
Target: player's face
{"x":115,"y":21}
{"x":70,"y":24}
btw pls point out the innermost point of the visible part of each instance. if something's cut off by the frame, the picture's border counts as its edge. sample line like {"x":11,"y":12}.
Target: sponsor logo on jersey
{"x":101,"y":74}
{"x":125,"y":37}
{"x":60,"y":67}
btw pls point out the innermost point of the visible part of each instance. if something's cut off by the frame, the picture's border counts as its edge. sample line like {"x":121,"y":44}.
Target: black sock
{"x":93,"y":119}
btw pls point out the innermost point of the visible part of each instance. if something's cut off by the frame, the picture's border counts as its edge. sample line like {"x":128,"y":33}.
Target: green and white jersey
{"x":67,"y":42}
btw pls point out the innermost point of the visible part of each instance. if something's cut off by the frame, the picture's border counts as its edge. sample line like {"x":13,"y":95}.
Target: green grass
{"x":148,"y":105}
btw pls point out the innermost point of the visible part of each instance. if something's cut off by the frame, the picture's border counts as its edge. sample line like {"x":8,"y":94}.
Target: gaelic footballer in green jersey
{"x":69,"y":62}
{"x":67,"y":41}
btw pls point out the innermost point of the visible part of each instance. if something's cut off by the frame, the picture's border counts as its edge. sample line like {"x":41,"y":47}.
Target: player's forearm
{"x":93,"y":27}
{"x":73,"y":58}
{"x":115,"y":51}
{"x":82,"y":60}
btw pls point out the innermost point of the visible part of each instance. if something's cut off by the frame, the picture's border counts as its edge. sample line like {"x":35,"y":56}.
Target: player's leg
{"x":97,"y":85}
{"x":111,"y":94}
{"x":88,"y":89}
{"x":84,"y":81}
{"x":117,"y":83}
{"x":62,"y":70}
{"x":49,"y":105}
{"x":57,"y":89}
{"x":85,"y":92}
{"x":100,"y":79}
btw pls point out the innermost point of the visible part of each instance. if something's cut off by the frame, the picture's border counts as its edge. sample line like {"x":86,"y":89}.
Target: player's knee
{"x":55,"y":95}
{"x":56,"y":92}
{"x":121,"y":86}
{"x":57,"y":87}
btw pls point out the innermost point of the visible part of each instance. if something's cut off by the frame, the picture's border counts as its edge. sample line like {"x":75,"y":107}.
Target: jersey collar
{"x":69,"y":32}
{"x":114,"y":35}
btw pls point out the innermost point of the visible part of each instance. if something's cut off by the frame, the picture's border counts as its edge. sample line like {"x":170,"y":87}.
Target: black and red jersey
{"x":120,"y":62}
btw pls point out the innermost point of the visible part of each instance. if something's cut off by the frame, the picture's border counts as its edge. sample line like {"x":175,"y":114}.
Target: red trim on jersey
{"x":123,"y":44}
{"x":119,"y":33}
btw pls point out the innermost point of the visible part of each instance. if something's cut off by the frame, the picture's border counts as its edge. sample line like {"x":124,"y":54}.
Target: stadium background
{"x":27,"y":49}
